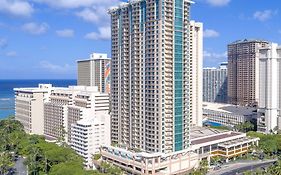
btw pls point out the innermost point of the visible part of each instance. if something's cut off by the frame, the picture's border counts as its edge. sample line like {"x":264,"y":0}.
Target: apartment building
{"x":215,"y":84}
{"x":95,"y":72}
{"x":29,"y":107}
{"x":243,"y":68}
{"x":269,"y":120}
{"x":196,"y":61}
{"x":89,"y":134}
{"x":150,"y":92}
{"x":68,"y":105}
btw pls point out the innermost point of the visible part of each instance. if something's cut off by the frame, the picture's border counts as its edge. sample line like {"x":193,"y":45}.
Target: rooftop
{"x":249,"y":41}
{"x":229,"y":108}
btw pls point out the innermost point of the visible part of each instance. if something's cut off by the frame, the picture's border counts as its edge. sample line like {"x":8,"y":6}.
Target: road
{"x":20,"y":167}
{"x":239,"y":167}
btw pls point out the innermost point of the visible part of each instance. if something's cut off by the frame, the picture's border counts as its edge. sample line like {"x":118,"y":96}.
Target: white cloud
{"x":35,"y":29}
{"x":210,"y":33}
{"x":11,"y":54}
{"x":214,"y":55}
{"x":3,"y":43}
{"x":89,"y":15}
{"x":65,"y":33}
{"x":16,"y":7}
{"x":218,"y":3}
{"x":56,"y":68}
{"x":104,"y":33}
{"x":264,"y":15}
{"x":70,"y":4}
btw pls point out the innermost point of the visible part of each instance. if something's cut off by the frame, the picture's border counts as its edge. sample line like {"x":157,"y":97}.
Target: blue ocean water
{"x":7,"y":96}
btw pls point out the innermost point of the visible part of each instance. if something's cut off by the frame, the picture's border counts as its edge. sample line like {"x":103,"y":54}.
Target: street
{"x":239,"y":167}
{"x":20,"y":168}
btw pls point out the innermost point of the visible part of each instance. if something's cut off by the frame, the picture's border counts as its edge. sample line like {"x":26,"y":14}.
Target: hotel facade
{"x":269,"y":119}
{"x":150,"y":92}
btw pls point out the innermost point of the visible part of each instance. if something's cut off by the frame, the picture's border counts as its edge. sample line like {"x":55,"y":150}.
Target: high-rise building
{"x":215,"y":84}
{"x":270,"y":89}
{"x":196,"y":60}
{"x":89,"y":134}
{"x":29,"y":107}
{"x":95,"y":72}
{"x":150,"y":92}
{"x":243,"y":68}
{"x":68,"y":105}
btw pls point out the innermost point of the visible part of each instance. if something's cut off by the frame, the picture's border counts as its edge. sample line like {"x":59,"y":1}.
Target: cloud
{"x":69,"y":4}
{"x":16,"y":8}
{"x":214,"y":55}
{"x":264,"y":15}
{"x":88,"y":15}
{"x":11,"y":54}
{"x":212,"y":58}
{"x":104,"y":33}
{"x":3,"y":43}
{"x":210,"y":33}
{"x":56,"y":68}
{"x":218,"y":3}
{"x":35,"y":29}
{"x":67,"y":33}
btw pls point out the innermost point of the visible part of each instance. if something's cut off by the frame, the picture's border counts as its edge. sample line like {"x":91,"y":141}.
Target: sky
{"x":42,"y":39}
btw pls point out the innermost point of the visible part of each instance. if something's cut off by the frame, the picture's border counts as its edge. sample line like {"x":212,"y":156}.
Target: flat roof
{"x":214,"y":137}
{"x":229,"y":108}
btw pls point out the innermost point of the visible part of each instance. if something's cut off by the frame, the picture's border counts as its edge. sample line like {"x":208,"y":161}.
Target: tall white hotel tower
{"x":150,"y":88}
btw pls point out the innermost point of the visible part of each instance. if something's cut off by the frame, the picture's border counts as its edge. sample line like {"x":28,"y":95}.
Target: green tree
{"x":5,"y":162}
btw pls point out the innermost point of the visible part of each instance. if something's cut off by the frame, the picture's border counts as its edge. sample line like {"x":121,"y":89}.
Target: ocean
{"x":7,"y":96}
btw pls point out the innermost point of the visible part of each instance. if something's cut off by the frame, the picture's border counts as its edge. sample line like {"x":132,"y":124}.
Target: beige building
{"x":95,"y":72}
{"x":29,"y":107}
{"x":243,"y":71}
{"x":150,"y":92}
{"x":196,"y":61}
{"x":68,"y":105}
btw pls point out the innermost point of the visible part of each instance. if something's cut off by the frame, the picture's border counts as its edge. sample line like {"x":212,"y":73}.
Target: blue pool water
{"x":212,"y":123}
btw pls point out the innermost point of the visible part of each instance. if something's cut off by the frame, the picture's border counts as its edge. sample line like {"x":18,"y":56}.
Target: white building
{"x":68,"y":105}
{"x":196,"y":60}
{"x":95,"y":72}
{"x":29,"y":107}
{"x":89,"y":134}
{"x":270,"y":89}
{"x":227,"y":114}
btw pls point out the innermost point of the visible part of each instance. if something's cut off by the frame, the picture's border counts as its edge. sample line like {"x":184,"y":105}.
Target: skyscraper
{"x":215,"y":84}
{"x":243,"y":78}
{"x":196,"y":60}
{"x":270,"y":85}
{"x":95,"y":72}
{"x":150,"y":88}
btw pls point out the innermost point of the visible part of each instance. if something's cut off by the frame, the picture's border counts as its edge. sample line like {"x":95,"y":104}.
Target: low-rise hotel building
{"x":88,"y":134}
{"x":205,"y":143}
{"x":227,"y":114}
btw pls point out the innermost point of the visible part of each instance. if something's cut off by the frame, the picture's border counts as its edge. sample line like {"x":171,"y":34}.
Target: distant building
{"x":269,"y":119}
{"x":68,"y":105}
{"x":95,"y":72}
{"x":227,"y":114}
{"x":243,"y":71}
{"x":215,"y":84}
{"x":89,"y":134}
{"x":29,"y":107}
{"x":196,"y":60}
